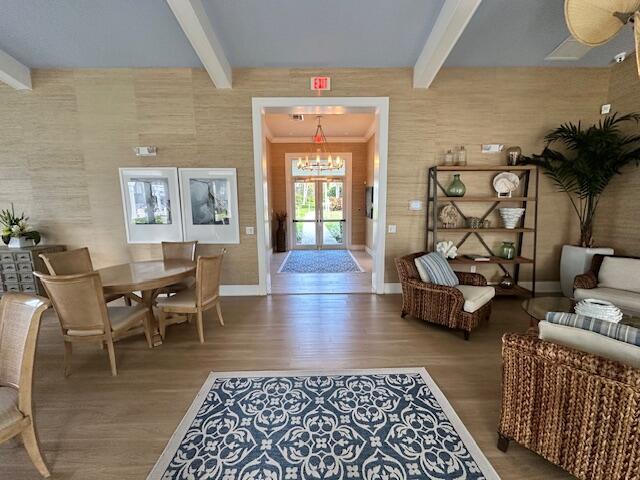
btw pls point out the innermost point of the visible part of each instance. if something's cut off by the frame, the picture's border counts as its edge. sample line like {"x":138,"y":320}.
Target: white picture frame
{"x":151,"y":204}
{"x":209,"y":199}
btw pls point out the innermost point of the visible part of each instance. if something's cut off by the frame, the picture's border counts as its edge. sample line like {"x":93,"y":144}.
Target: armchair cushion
{"x":628,"y":302}
{"x":590,"y":342}
{"x":438,"y":269}
{"x":475,"y":297}
{"x":620,"y":273}
{"x":424,"y":276}
{"x":617,"y":331}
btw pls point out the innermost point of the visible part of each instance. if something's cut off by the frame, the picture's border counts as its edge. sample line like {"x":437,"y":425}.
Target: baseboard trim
{"x":356,"y":247}
{"x":541,"y":287}
{"x":239,"y":290}
{"x":392,"y":288}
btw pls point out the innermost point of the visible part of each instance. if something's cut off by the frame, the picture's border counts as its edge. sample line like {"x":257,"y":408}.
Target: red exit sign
{"x":320,"y":83}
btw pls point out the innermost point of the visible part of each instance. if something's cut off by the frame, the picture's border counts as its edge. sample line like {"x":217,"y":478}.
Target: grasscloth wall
{"x":278,"y":187}
{"x":61,"y":144}
{"x":618,"y":217}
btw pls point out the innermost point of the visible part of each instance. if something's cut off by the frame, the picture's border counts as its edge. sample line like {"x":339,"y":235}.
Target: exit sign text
{"x":320,"y":83}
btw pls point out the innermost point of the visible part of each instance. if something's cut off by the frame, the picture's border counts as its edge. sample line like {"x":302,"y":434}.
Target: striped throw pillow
{"x":438,"y":269}
{"x":617,"y":331}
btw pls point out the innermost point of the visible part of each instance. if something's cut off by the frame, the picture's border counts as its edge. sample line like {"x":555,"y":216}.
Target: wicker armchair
{"x":436,"y":303}
{"x":577,"y":410}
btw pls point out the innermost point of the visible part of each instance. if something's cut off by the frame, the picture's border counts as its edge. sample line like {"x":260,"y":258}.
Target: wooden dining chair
{"x":185,"y":251}
{"x":72,"y":262}
{"x":84,"y":316}
{"x":195,"y":301}
{"x":20,"y":316}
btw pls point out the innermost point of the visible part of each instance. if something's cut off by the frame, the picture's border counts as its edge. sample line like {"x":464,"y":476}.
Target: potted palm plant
{"x":16,"y":232}
{"x":589,"y":159}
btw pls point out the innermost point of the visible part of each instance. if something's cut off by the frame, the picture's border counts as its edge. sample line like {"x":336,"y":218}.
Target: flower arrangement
{"x":14,"y":226}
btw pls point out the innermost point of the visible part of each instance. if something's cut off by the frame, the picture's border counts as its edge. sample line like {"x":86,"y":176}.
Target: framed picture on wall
{"x":151,"y":204}
{"x":209,"y":198}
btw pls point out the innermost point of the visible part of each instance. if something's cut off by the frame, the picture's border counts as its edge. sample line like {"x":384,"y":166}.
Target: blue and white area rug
{"x":320,"y":261}
{"x":388,"y":424}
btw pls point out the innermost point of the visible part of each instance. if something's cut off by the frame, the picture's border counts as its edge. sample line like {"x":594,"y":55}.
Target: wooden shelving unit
{"x":436,"y":197}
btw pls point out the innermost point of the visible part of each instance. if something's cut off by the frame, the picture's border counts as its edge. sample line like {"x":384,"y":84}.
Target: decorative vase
{"x":461,"y":159}
{"x":281,"y":238}
{"x":456,"y":188}
{"x":20,"y":242}
{"x":576,"y":261}
{"x":508,"y":250}
{"x":507,"y":281}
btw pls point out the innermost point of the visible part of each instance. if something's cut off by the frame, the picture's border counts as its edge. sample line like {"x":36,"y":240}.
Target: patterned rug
{"x":389,"y":424}
{"x":320,"y":261}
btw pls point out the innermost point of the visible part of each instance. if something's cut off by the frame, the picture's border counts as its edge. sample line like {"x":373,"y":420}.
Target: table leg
{"x":147,"y":299}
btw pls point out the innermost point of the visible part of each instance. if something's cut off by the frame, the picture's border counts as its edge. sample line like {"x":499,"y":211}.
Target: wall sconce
{"x":149,"y":151}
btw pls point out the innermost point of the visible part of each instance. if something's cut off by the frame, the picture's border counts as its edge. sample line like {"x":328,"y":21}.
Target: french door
{"x":319,"y":219}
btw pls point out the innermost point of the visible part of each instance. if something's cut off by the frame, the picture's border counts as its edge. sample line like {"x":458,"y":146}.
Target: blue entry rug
{"x":392,"y":424}
{"x":320,"y":261}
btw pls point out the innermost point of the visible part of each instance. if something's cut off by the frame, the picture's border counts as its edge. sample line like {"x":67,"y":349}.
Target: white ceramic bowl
{"x":511,"y":216}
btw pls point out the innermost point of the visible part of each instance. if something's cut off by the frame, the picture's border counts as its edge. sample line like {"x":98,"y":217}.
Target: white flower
{"x":15,"y":229}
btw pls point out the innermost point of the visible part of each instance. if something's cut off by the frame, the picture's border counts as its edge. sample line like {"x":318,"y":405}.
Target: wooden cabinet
{"x":17,"y":266}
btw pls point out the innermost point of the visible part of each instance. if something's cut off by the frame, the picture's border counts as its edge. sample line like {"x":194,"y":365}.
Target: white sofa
{"x":614,"y":279}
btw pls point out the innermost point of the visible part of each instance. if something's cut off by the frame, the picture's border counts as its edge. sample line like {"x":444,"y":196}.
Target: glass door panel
{"x":332,"y":214}
{"x":305,"y":214}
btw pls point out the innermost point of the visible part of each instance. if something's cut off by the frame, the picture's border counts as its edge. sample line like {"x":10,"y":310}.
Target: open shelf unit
{"x":436,"y":197}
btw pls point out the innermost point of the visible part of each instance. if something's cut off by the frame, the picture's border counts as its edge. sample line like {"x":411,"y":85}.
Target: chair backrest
{"x":179,"y":250}
{"x":406,"y":266}
{"x":19,"y":324}
{"x":70,"y":262}
{"x":208,"y":276}
{"x":78,"y":301}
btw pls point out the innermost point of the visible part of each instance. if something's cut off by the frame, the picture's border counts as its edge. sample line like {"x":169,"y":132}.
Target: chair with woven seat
{"x":20,"y":316}
{"x":84,"y":316}
{"x":462,"y":307}
{"x":195,"y":301}
{"x":72,"y":262}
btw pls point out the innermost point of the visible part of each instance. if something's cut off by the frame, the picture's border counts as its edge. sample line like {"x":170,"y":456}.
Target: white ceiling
{"x":350,"y":125}
{"x":284,"y":33}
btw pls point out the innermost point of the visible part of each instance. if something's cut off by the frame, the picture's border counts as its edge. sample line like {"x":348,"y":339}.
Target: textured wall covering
{"x":278,"y":187}
{"x":61,"y":144}
{"x":618,"y":220}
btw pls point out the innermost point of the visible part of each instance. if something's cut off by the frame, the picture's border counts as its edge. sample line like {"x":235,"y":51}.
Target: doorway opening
{"x":320,"y":232}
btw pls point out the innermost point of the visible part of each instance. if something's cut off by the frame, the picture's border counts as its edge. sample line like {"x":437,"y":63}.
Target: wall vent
{"x":569,"y":50}
{"x":296,"y":117}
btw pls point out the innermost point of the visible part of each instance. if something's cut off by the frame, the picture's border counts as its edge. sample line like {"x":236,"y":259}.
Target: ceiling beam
{"x":451,"y":22}
{"x":197,"y":27}
{"x":13,"y":73}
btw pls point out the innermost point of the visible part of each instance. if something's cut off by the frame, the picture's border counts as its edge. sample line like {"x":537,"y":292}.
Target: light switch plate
{"x":606,"y":108}
{"x":250,"y":230}
{"x":392,"y":228}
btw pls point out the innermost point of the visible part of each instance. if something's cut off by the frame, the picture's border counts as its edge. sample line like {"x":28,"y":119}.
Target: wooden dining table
{"x":145,"y":277}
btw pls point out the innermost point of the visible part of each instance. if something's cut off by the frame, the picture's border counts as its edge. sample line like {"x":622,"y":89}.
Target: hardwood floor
{"x":94,"y":426}
{"x":293,"y":283}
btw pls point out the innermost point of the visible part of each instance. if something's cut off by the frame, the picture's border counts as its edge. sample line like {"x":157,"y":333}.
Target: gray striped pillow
{"x":617,"y":331}
{"x":438,"y":269}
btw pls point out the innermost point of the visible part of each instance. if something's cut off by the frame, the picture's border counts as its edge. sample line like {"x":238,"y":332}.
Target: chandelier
{"x":323,"y":159}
